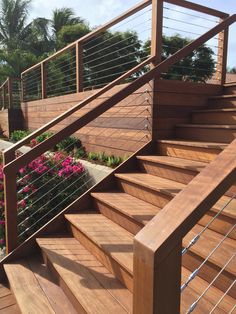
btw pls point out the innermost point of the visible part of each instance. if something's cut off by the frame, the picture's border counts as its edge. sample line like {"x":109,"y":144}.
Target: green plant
{"x":114,"y":161}
{"x":80,"y":152}
{"x":43,"y":137}
{"x":69,"y":144}
{"x":18,"y":135}
{"x":92,"y":156}
{"x":102,"y":157}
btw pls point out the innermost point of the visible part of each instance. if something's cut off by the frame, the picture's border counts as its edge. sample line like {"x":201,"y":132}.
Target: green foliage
{"x":110,"y":161}
{"x":69,"y":144}
{"x":114,"y":161}
{"x":198,"y":66}
{"x":43,"y":137}
{"x":121,"y":54}
{"x":18,"y":135}
{"x":70,"y":33}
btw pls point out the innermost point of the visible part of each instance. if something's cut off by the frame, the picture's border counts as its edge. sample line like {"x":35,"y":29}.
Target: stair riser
{"x":208,"y":272}
{"x":221,"y":224}
{"x":145,"y":194}
{"x":222,"y":103}
{"x":63,"y":285}
{"x":187,"y":152}
{"x":230,"y":90}
{"x":113,"y":266}
{"x":167,"y":172}
{"x":124,"y":221}
{"x":206,"y":135}
{"x":214,"y":118}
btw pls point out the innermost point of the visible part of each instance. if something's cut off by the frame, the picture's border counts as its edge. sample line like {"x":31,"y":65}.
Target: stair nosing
{"x":183,"y":142}
{"x":141,"y":183}
{"x":172,"y":164}
{"x":221,"y":110}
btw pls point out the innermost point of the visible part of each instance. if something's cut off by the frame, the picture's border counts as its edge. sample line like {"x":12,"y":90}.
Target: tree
{"x":198,"y":66}
{"x":61,"y":18}
{"x":13,"y":15}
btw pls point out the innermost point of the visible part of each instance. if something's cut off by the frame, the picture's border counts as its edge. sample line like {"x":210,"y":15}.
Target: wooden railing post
{"x":222,"y":55}
{"x":79,"y":66}
{"x":43,"y":80}
{"x":157,"y":280}
{"x":10,"y":198}
{"x":156,"y":51}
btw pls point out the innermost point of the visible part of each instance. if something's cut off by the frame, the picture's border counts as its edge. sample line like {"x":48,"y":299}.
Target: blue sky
{"x":97,"y":12}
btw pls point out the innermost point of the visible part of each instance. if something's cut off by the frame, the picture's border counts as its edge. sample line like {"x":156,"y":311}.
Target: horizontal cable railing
{"x":106,"y":53}
{"x":10,"y":94}
{"x":94,"y":60}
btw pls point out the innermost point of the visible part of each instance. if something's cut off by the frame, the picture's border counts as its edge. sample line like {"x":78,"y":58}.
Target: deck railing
{"x":158,"y":246}
{"x":10,"y":93}
{"x":104,"y":54}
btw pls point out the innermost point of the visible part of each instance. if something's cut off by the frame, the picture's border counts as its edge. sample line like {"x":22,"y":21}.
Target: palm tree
{"x":13,"y":15}
{"x":63,"y":17}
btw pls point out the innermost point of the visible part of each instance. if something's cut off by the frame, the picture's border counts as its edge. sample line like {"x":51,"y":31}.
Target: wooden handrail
{"x":197,"y":7}
{"x":155,"y":245}
{"x":95,"y":32}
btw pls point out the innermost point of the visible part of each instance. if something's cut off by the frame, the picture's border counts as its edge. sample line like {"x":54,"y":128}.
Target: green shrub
{"x":80,"y":152}
{"x":43,"y":137}
{"x":69,"y":144}
{"x":18,"y":135}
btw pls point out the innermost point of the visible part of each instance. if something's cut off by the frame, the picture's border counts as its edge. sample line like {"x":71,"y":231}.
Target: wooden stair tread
{"x":128,"y":205}
{"x":54,"y":293}
{"x":194,"y":143}
{"x":207,"y":242}
{"x":175,"y":161}
{"x":230,"y":209}
{"x":7,"y":301}
{"x":113,"y":239}
{"x":155,"y":183}
{"x":29,"y":295}
{"x":97,"y":290}
{"x":208,"y":126}
{"x":195,"y":288}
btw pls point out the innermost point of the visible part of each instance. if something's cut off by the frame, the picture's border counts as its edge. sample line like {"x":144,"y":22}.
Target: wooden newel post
{"x":10,"y":198}
{"x":43,"y":80}
{"x":157,"y":280}
{"x":156,"y":50}
{"x":79,"y":66}
{"x":222,"y":55}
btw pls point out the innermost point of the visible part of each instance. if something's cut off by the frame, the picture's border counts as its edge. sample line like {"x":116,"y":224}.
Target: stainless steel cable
{"x":195,"y":273}
{"x":194,"y":304}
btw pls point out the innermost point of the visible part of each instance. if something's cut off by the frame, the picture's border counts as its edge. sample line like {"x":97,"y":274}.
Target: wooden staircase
{"x":88,"y":267}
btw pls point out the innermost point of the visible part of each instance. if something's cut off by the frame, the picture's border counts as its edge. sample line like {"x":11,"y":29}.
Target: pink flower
{"x":22,"y":203}
{"x":2,"y":241}
{"x":1,"y":187}
{"x":22,"y":170}
{"x":26,"y":189}
{"x":33,"y":142}
{"x":2,"y":222}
